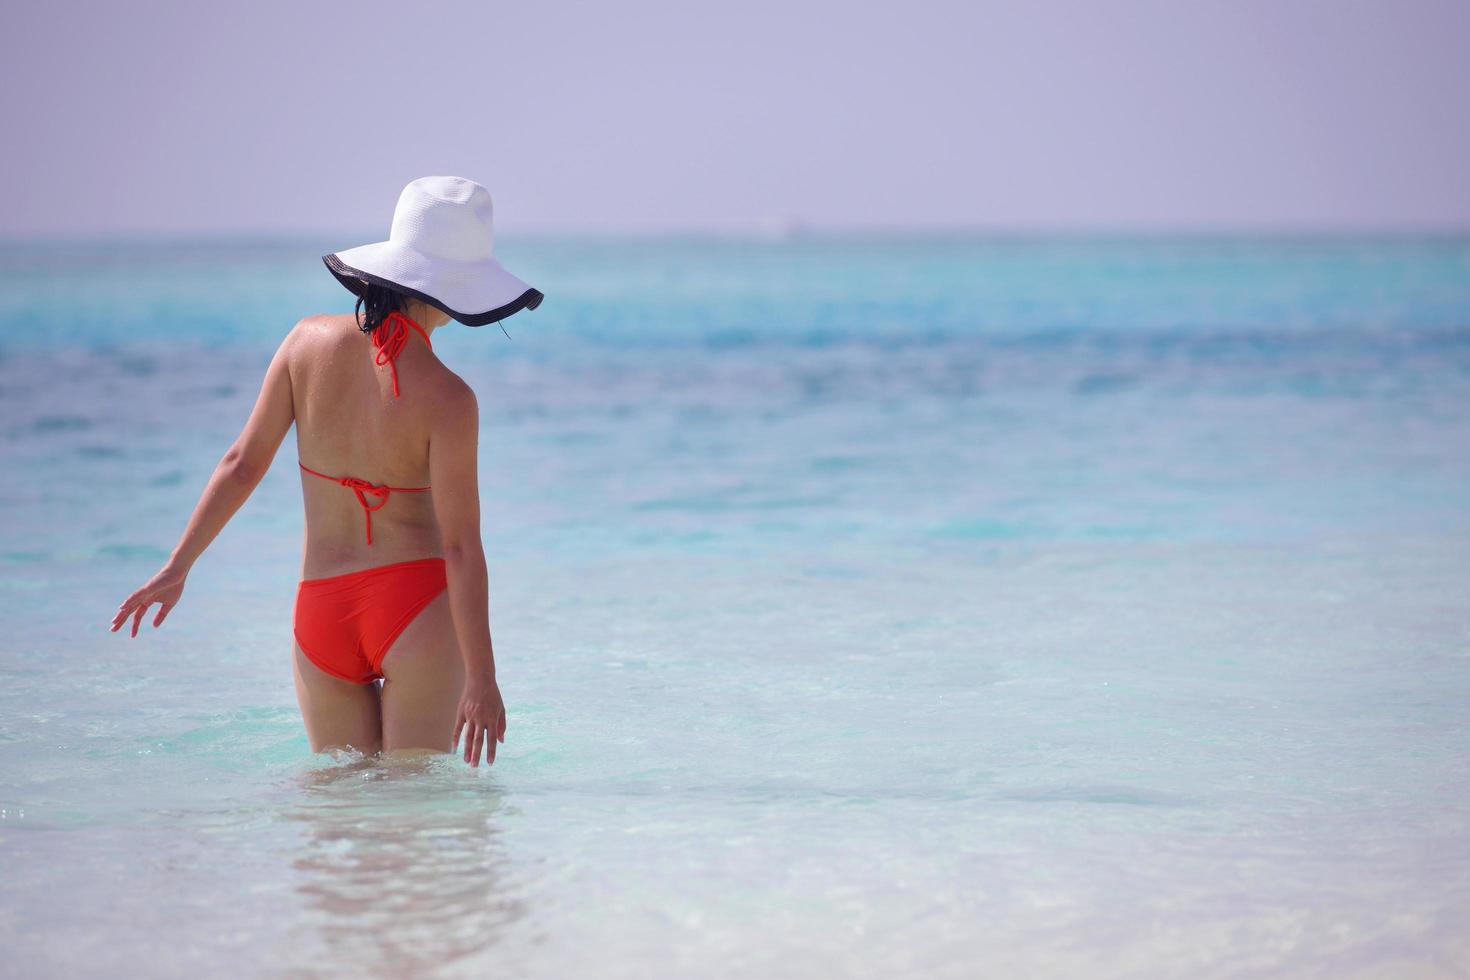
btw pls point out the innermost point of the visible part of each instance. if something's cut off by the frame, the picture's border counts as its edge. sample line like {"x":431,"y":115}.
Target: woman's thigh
{"x":338,"y":713}
{"x":423,"y":678}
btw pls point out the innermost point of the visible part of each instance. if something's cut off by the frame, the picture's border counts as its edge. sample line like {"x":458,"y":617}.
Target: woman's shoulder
{"x":452,"y":392}
{"x":317,"y":334}
{"x":323,"y":327}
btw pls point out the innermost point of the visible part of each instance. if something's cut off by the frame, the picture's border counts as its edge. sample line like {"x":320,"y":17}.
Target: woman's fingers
{"x":471,"y":735}
{"x":479,"y":738}
{"x":162,"y":589}
{"x":123,"y":611}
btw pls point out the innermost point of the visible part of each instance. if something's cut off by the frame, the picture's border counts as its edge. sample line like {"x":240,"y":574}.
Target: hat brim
{"x":474,"y":293}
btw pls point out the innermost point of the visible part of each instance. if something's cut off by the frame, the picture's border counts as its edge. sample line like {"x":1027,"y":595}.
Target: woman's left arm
{"x":233,"y":480}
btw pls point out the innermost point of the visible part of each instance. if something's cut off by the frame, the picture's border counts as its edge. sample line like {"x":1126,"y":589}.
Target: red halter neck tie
{"x":389,"y":337}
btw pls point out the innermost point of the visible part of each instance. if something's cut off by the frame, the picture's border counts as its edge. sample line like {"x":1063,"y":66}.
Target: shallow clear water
{"x":863,"y":608}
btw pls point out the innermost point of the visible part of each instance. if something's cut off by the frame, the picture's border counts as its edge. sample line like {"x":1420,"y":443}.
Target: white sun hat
{"x":438,"y":251}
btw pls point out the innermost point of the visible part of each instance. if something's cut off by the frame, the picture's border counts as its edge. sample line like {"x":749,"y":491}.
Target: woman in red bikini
{"x":393,"y":581}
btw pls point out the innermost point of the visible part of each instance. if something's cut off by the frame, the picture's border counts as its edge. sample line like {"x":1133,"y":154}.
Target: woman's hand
{"x":164,"y":588}
{"x":481,"y":716}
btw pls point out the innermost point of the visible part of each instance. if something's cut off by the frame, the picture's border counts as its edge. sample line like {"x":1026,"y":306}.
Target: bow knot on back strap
{"x":389,"y":337}
{"x":363,"y":489}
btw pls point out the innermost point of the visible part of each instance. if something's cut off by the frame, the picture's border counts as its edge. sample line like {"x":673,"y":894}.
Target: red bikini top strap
{"x":361,"y":488}
{"x":315,"y":473}
{"x":390,"y":336}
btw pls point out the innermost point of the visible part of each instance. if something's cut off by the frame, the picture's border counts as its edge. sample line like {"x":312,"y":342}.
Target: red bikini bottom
{"x":346,"y":623}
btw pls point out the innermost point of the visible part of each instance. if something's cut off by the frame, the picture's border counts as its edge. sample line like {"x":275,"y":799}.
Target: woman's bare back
{"x":350,"y":424}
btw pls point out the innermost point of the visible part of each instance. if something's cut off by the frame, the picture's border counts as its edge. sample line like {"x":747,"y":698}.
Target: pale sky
{"x":295,"y":118}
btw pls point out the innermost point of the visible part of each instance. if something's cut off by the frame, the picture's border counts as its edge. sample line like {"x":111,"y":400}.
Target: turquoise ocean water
{"x":884,"y":607}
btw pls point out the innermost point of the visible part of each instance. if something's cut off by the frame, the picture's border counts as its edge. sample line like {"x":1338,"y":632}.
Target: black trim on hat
{"x":354,"y":279}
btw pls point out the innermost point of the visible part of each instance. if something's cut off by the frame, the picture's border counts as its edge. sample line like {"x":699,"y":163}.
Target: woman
{"x":393,"y":576}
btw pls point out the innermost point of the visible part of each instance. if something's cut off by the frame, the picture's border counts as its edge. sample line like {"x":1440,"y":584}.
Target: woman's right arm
{"x":453,"y":474}
{"x":233,"y":480}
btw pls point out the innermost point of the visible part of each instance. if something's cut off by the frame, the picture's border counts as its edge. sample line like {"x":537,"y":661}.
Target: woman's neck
{"x":425,"y":316}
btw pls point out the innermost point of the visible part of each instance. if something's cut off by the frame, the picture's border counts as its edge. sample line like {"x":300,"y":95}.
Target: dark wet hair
{"x":374,"y":304}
